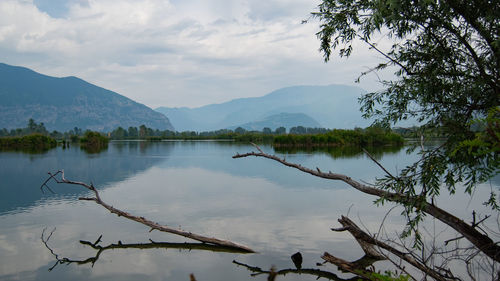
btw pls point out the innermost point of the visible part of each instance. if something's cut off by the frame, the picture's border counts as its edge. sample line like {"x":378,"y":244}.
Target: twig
{"x":378,"y":163}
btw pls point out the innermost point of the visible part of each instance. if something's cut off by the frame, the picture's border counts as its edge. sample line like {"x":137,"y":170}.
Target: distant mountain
{"x":287,"y":120}
{"x":333,"y":106}
{"x":64,"y":103}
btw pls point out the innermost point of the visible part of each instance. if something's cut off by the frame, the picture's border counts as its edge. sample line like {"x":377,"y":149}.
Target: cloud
{"x":171,"y":53}
{"x":58,"y":8}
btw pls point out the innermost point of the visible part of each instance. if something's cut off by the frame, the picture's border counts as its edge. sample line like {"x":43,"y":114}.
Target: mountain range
{"x":68,"y":102}
{"x":287,"y":120}
{"x":331,"y":106}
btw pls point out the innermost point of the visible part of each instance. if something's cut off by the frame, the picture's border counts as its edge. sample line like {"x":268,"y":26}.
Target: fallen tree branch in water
{"x":119,"y":245}
{"x":272,"y":273}
{"x":481,"y":241}
{"x":153,"y":225}
{"x":371,"y":246}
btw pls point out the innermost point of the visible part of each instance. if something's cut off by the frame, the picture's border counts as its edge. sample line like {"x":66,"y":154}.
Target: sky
{"x":177,"y":53}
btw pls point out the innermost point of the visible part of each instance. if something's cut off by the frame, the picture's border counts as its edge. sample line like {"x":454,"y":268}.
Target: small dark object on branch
{"x":297,"y":260}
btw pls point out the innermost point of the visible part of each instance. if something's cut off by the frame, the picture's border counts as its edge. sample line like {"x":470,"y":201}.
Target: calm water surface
{"x":195,"y":186}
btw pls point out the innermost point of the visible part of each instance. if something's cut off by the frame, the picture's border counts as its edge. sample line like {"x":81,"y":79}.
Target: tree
{"x":132,"y":132}
{"x":78,"y":131}
{"x":299,"y":130}
{"x":447,"y":60}
{"x":267,"y":131}
{"x":32,"y":125}
{"x":280,"y":131}
{"x":240,"y":130}
{"x":446,"y":57}
{"x":142,"y":131}
{"x":34,"y":128}
{"x":119,"y":133}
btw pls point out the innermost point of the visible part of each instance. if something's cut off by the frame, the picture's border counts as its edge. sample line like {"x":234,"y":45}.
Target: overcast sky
{"x":175,"y":52}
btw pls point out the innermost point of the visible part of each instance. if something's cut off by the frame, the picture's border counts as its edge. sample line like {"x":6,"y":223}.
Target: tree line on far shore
{"x":298,"y":136}
{"x":35,"y":137}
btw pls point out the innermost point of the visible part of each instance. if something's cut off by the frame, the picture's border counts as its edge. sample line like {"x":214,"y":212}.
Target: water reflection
{"x":195,"y":185}
{"x":22,"y":174}
{"x":255,"y":271}
{"x":94,"y":149}
{"x":99,"y":249}
{"x":337,"y":152}
{"x":32,"y":150}
{"x":271,"y":274}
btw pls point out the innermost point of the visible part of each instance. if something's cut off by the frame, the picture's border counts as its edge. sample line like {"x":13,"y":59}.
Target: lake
{"x":195,"y":186}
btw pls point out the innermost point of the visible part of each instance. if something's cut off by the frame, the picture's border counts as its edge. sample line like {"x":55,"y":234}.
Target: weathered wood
{"x":309,"y":271}
{"x":368,"y":244}
{"x":347,"y":266}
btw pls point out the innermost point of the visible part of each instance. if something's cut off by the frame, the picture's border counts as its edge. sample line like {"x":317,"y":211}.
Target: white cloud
{"x":177,"y":53}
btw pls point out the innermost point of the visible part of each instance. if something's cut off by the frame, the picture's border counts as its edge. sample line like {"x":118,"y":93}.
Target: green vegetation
{"x":387,"y":276}
{"x":358,"y":137}
{"x":31,"y":128}
{"x":93,"y":142}
{"x":298,"y":137}
{"x":446,"y":57}
{"x":33,"y":138}
{"x":35,"y":142}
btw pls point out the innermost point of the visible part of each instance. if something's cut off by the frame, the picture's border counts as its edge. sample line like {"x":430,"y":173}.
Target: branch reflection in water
{"x":272,"y":273}
{"x":119,"y":245}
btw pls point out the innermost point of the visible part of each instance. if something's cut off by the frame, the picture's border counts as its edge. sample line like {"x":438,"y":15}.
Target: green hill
{"x":64,"y":103}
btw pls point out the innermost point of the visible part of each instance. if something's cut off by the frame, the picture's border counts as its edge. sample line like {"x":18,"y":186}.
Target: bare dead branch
{"x":310,"y":271}
{"x":453,"y":239}
{"x":368,"y":244}
{"x":347,"y":266}
{"x":142,"y":220}
{"x":378,"y":164}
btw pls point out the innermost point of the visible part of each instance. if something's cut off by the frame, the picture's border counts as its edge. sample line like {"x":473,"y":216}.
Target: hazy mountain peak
{"x":283,"y":119}
{"x":332,"y":106}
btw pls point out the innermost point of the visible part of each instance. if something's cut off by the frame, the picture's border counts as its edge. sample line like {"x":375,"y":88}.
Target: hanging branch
{"x":484,"y":243}
{"x":142,"y":220}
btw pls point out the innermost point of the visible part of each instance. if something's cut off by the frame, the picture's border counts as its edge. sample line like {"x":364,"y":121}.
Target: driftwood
{"x":371,"y":246}
{"x":273,"y":273}
{"x":481,"y":241}
{"x":119,"y":245}
{"x":153,"y":225}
